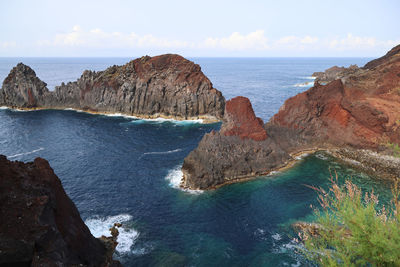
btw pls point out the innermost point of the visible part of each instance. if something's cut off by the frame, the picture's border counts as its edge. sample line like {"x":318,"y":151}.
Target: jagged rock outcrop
{"x":40,"y":225}
{"x":161,"y":86}
{"x":359,"y":112}
{"x":239,"y":150}
{"x":22,"y":88}
{"x":335,"y":73}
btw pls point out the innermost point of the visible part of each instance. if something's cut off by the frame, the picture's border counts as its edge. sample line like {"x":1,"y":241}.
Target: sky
{"x":206,"y":28}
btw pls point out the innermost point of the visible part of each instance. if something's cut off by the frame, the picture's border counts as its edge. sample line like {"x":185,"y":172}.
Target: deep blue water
{"x":126,"y":170}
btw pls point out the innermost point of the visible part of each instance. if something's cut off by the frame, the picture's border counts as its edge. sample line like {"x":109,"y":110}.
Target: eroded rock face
{"x":359,"y":111}
{"x":241,"y":121}
{"x":22,"y":88}
{"x":166,"y":86}
{"x":362,"y":112}
{"x":239,"y":150}
{"x":40,"y":225}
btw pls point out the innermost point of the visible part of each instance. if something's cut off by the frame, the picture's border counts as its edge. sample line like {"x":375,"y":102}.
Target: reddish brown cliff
{"x":362,"y":112}
{"x":241,"y":121}
{"x":353,"y":117}
{"x":40,"y":225}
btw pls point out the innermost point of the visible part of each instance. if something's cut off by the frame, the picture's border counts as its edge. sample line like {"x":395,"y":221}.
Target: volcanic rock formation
{"x":353,"y":117}
{"x":40,"y":225}
{"x":162,"y":86}
{"x":239,"y":150}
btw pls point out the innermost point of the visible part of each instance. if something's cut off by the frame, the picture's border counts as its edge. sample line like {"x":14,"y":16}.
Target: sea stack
{"x":355,"y":117}
{"x":40,"y":224}
{"x":241,"y":149}
{"x":167,"y":86}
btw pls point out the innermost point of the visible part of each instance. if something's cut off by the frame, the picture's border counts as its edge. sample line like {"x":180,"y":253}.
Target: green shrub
{"x":395,"y":148}
{"x":353,"y":231}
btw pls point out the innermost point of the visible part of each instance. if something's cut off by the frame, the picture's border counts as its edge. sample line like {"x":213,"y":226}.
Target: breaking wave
{"x":99,"y":226}
{"x":26,"y":153}
{"x":174,"y":177}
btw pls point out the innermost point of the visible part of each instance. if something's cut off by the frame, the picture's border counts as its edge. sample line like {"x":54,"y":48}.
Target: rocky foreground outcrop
{"x":356,"y":117}
{"x":40,"y":225}
{"x":162,"y":86}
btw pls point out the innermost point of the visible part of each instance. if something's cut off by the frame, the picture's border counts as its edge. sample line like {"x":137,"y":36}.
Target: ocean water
{"x":121,"y":169}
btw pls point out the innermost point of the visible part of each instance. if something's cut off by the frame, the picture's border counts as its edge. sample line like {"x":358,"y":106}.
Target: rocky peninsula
{"x":40,"y":224}
{"x":167,"y":86}
{"x":355,"y":116}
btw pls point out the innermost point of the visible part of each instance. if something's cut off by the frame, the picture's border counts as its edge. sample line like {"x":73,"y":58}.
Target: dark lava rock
{"x":40,"y":225}
{"x":22,"y":88}
{"x":240,"y":150}
{"x":162,"y":86}
{"x":335,"y":73}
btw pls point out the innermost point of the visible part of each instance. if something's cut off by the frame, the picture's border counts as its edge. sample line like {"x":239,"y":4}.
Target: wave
{"x":16,"y":109}
{"x":163,"y":120}
{"x":163,"y":152}
{"x":26,"y":153}
{"x":136,"y":120}
{"x":127,"y":237}
{"x":304,"y":84}
{"x":174,"y":177}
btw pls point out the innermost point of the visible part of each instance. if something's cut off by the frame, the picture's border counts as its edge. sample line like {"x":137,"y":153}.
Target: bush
{"x":352,"y":230}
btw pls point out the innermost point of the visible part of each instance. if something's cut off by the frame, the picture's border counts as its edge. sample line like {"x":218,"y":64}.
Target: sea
{"x":124,"y":169}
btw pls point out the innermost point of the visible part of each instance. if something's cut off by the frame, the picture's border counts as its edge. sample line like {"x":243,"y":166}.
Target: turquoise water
{"x":127,"y":170}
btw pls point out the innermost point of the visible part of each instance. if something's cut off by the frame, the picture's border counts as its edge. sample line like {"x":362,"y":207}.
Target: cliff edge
{"x":40,"y":225}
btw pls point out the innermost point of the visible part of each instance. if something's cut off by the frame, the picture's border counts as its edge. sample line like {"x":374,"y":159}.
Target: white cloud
{"x":351,"y":42}
{"x":6,"y":45}
{"x":253,"y":42}
{"x":236,"y":41}
{"x":99,"y":39}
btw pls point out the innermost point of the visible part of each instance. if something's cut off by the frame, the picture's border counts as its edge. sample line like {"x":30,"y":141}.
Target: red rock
{"x":240,"y":120}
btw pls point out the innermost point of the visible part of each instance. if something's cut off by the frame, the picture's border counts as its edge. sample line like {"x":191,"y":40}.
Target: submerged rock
{"x":359,"y":111}
{"x":40,"y":225}
{"x":162,"y":86}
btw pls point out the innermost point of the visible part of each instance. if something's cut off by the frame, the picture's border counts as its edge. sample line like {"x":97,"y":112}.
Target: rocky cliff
{"x":241,"y":149}
{"x":40,"y":225}
{"x":162,"y":86}
{"x":354,"y":117}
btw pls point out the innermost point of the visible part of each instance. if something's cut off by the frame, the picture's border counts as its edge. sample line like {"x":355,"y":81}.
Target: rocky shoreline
{"x":354,"y":117}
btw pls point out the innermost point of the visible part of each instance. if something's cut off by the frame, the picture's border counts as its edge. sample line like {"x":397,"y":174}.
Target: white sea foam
{"x":138,"y":120}
{"x":304,"y":84}
{"x":276,"y":236}
{"x":162,"y":120}
{"x":302,"y":156}
{"x":174,"y":177}
{"x":26,"y":153}
{"x":321,"y":156}
{"x":99,"y":226}
{"x":2,"y":107}
{"x":310,"y":77}
{"x":163,"y":152}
